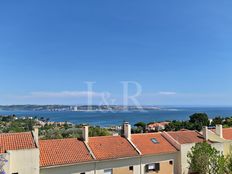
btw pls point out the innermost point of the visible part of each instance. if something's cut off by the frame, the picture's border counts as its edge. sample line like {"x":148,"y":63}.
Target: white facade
{"x":88,"y":168}
{"x":119,"y":166}
{"x":24,"y":161}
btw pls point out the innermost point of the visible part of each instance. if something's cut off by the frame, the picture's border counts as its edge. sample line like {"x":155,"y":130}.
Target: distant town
{"x":75,"y":107}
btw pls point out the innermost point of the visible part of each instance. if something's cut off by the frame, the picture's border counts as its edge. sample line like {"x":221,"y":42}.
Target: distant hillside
{"x":72,"y":107}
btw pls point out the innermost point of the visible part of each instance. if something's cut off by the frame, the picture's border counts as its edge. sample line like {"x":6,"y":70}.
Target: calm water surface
{"x":116,"y":118}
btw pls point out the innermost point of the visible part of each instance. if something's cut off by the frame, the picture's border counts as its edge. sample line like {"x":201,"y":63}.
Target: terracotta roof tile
{"x":227,"y":133}
{"x":16,"y":141}
{"x":63,"y":151}
{"x":187,"y":136}
{"x":110,"y":147}
{"x":145,"y":145}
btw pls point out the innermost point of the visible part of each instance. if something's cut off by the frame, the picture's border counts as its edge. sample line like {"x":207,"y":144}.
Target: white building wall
{"x":183,"y":159}
{"x":97,"y":167}
{"x":219,"y":147}
{"x":23,"y":161}
{"x":88,"y":168}
{"x":6,"y":165}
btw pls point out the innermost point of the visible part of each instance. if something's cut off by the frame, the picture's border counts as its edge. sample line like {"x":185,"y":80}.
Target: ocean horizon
{"x":112,"y":118}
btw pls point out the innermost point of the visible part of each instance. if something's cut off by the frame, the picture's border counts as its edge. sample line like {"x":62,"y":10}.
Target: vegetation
{"x":10,"y":124}
{"x":196,"y":122}
{"x":205,"y":159}
{"x":50,"y":131}
{"x":139,"y":127}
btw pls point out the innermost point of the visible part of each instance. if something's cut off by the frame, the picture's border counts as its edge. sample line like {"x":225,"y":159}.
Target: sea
{"x":113,"y":118}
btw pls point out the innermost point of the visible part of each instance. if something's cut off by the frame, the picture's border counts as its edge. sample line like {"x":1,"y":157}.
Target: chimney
{"x":219,"y":130}
{"x":36,"y":134}
{"x":127,"y":130}
{"x":85,"y":133}
{"x":205,"y":133}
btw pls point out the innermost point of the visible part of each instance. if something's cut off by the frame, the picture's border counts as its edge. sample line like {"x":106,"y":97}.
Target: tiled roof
{"x":109,"y":147}
{"x":16,"y":141}
{"x":63,"y":151}
{"x":145,"y":145}
{"x":227,"y":133}
{"x":187,"y":136}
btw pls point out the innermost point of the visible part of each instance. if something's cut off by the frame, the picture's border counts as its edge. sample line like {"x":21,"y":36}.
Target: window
{"x":131,"y":168}
{"x":108,"y":171}
{"x":154,"y":140}
{"x":152,"y":167}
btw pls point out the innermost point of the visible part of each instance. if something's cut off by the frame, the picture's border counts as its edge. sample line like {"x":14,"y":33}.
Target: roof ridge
{"x":175,"y":143}
{"x":227,"y":128}
{"x":13,"y":133}
{"x":134,"y":146}
{"x":147,"y":133}
{"x":108,"y":136}
{"x":90,"y":150}
{"x":58,"y":139}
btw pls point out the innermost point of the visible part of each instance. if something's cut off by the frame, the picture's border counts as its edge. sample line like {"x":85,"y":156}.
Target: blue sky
{"x":178,"y":51}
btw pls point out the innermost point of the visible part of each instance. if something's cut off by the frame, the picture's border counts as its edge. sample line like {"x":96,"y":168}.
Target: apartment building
{"x":184,"y":140}
{"x":127,"y":154}
{"x":20,"y":152}
{"x":153,"y":153}
{"x":222,"y":135}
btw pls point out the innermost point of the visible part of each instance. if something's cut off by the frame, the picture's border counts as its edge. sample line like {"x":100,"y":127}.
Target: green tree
{"x":199,"y":120}
{"x":141,"y":126}
{"x":217,"y":120}
{"x":205,"y":159}
{"x":97,"y":131}
{"x":229,"y":163}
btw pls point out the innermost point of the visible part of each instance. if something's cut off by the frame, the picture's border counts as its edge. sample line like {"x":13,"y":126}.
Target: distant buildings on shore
{"x":157,"y":126}
{"x":59,"y":108}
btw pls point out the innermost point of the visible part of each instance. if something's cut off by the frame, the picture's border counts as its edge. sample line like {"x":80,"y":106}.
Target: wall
{"x":119,"y":165}
{"x":183,"y":159}
{"x":6,"y":165}
{"x":88,"y":168}
{"x":122,"y":170}
{"x":165,"y":167}
{"x":218,"y":146}
{"x":24,"y":161}
{"x":227,"y":147}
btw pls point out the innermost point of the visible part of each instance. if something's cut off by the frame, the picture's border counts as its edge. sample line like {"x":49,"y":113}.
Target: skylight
{"x":154,"y":140}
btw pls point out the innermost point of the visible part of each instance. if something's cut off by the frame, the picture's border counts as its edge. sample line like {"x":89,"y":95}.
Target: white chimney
{"x":127,"y":130}
{"x":85,"y":133}
{"x":36,"y":134}
{"x":205,"y":133}
{"x":219,"y":131}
